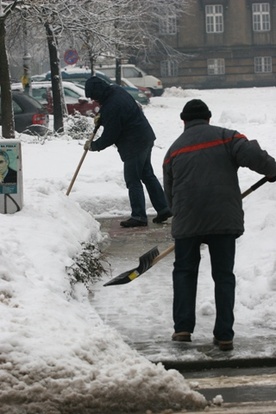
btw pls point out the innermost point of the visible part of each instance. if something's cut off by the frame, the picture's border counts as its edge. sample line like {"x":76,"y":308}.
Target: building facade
{"x":226,"y":43}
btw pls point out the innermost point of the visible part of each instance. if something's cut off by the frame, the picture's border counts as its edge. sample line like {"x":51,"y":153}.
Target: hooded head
{"x":96,"y":89}
{"x":195,"y":109}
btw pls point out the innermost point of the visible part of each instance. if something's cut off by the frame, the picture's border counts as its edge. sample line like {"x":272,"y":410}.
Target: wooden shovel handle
{"x":163,"y":254}
{"x":80,"y":164}
{"x":171,"y":247}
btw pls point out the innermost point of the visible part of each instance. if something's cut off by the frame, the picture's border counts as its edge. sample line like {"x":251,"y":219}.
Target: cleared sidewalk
{"x":119,"y":306}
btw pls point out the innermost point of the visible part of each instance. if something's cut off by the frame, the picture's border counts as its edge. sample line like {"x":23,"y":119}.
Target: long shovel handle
{"x":80,"y":164}
{"x":248,"y":191}
{"x":76,"y":172}
{"x":255,"y":186}
{"x":163,"y":254}
{"x":146,"y":261}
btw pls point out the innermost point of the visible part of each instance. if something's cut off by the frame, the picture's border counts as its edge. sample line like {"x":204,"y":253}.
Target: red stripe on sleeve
{"x":201,"y":146}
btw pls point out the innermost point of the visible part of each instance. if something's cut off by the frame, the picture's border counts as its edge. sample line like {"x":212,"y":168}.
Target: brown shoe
{"x":182,"y":337}
{"x":223,"y":345}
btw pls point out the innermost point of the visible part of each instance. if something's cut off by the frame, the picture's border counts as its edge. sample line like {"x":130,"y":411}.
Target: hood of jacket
{"x":97,"y":89}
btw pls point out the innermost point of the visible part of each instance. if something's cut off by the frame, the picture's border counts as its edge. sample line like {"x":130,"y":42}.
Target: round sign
{"x":71,"y":56}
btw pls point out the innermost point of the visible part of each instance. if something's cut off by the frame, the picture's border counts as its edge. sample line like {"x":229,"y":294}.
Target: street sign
{"x":71,"y":56}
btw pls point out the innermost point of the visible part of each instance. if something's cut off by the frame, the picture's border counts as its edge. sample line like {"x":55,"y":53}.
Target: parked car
{"x":140,"y":94}
{"x":30,"y":116}
{"x":80,"y":75}
{"x":137,"y":76}
{"x":77,"y":75}
{"x":74,"y":98}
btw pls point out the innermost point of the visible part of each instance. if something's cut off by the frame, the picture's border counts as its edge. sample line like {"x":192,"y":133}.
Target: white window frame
{"x":261,"y":17}
{"x":263,"y":64}
{"x":214,"y":18}
{"x":168,"y":25}
{"x":216,"y":66}
{"x":168,"y":68}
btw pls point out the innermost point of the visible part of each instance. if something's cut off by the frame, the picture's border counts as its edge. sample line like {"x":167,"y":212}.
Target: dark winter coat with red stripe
{"x":201,"y":181}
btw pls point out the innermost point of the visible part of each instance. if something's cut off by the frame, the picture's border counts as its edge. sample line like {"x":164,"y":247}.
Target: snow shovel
{"x":80,"y":163}
{"x":153,"y":256}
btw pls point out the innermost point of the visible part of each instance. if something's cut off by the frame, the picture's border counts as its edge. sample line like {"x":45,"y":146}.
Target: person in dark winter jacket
{"x":125,"y":125}
{"x":202,"y":188}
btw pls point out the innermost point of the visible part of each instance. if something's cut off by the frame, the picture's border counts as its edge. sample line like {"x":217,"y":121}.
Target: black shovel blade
{"x":145,"y":263}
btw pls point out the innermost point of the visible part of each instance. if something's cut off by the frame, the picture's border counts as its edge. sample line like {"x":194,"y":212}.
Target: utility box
{"x":11,"y":183}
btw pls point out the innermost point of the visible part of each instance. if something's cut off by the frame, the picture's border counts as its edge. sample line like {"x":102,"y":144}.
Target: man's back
{"x":123,"y":120}
{"x":205,"y":194}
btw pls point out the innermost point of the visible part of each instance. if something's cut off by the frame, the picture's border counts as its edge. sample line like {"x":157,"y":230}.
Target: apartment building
{"x":227,"y":43}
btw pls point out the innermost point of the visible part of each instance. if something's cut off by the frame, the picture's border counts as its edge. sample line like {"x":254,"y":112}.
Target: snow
{"x":58,"y":354}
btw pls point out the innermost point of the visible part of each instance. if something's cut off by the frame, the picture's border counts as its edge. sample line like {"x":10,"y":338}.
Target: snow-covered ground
{"x":57,"y":354}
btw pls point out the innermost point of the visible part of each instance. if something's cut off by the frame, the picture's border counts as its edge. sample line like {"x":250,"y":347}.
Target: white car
{"x":137,"y":76}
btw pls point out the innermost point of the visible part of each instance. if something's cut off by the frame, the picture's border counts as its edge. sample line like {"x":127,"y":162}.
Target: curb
{"x":219,"y":364}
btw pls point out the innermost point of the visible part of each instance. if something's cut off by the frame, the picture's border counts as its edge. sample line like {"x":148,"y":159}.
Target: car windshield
{"x":71,"y":94}
{"x":39,"y":93}
{"x":131,"y":73}
{"x":110,"y":72}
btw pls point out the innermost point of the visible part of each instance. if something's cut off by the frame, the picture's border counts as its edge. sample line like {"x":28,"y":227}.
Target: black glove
{"x":271,"y":179}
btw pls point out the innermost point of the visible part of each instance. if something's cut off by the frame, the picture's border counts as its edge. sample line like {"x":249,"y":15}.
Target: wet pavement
{"x":245,"y":380}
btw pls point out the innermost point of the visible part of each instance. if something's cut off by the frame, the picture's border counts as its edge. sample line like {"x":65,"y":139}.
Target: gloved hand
{"x":87,"y":145}
{"x":271,"y":179}
{"x":97,"y":121}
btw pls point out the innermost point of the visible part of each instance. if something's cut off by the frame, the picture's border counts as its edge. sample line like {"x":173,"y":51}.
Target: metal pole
{"x":26,"y":78}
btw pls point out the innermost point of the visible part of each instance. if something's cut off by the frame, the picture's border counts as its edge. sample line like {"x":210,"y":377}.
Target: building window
{"x":214,"y":18}
{"x":167,"y":25}
{"x":261,"y":17}
{"x":216,"y":66}
{"x":169,"y":68}
{"x":263,"y":64}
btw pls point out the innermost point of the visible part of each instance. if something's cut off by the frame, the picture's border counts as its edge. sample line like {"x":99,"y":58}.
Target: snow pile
{"x":56,"y":354}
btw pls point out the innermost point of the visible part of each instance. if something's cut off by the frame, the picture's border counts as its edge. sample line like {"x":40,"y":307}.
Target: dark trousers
{"x":138,"y":170}
{"x":185,"y":276}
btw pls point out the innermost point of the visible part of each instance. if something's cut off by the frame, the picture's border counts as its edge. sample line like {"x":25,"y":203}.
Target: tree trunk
{"x":5,"y":83}
{"x":56,"y":79}
{"x":118,"y":71}
{"x":91,"y":60}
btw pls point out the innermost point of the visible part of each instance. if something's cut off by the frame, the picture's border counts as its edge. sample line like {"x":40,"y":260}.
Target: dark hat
{"x":195,"y":109}
{"x":96,"y":88}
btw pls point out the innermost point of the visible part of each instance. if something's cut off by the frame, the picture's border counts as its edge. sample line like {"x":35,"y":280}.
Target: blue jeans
{"x":137,"y":170}
{"x":185,"y":276}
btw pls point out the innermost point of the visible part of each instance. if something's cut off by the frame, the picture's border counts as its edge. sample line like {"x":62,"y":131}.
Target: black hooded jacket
{"x":124,"y":122}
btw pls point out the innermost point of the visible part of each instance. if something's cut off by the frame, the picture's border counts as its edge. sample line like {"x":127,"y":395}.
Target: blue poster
{"x":8,"y":168}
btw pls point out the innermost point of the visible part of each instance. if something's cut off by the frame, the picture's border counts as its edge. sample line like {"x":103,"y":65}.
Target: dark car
{"x":29,"y":115}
